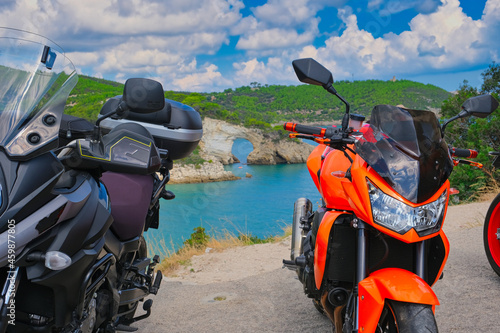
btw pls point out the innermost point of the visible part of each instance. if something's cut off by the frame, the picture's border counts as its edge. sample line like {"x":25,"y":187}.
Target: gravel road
{"x":246,"y":290}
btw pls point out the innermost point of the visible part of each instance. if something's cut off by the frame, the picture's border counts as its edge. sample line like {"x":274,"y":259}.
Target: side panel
{"x":390,"y":283}
{"x":321,"y":246}
{"x":331,"y":183}
{"x":314,"y":164}
{"x":81,"y":238}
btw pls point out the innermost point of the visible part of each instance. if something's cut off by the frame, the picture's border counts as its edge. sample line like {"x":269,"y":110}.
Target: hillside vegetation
{"x":260,"y":106}
{"x":308,"y":103}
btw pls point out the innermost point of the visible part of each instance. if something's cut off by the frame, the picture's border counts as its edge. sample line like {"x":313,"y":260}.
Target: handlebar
{"x":298,"y":128}
{"x":465,"y":153}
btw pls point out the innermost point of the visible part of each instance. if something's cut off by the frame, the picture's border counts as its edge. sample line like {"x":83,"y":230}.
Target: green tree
{"x":491,"y":78}
{"x":482,"y":135}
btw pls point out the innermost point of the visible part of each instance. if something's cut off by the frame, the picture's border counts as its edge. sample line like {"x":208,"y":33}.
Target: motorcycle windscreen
{"x":36,"y":79}
{"x":405,"y":148}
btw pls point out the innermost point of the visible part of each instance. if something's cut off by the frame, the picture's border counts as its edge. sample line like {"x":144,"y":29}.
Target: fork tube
{"x":361,"y":264}
{"x":420,"y":260}
{"x":361,"y":253}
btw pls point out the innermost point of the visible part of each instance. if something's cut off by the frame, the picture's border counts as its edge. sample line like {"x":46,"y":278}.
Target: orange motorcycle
{"x":370,"y":253}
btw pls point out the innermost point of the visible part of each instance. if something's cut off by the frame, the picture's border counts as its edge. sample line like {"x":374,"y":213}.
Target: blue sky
{"x":212,"y":45}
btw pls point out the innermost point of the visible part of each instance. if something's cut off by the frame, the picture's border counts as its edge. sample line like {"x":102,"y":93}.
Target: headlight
{"x":398,"y":216}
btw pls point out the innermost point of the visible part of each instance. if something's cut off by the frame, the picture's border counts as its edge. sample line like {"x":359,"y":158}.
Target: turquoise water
{"x":261,"y":205}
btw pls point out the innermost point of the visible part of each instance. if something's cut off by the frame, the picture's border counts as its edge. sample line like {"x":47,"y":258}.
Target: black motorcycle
{"x":75,"y":203}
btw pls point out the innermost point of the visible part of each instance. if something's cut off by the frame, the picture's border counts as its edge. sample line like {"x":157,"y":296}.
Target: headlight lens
{"x":398,"y":216}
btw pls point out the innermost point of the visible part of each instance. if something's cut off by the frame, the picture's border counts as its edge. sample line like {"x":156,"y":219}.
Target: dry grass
{"x":174,"y":259}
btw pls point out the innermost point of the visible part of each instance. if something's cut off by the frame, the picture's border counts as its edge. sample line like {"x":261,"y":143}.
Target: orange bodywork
{"x":390,"y":283}
{"x":320,"y":250}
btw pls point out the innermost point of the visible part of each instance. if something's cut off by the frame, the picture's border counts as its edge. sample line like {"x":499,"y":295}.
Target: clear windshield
{"x":35,"y":81}
{"x":405,"y":148}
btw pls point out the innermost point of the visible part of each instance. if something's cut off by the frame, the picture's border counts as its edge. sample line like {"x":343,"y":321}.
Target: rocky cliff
{"x":216,"y":146}
{"x":218,"y":138}
{"x":204,"y":173}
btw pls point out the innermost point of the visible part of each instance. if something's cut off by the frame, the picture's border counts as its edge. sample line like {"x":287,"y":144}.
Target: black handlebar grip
{"x":294,"y":127}
{"x":465,"y":153}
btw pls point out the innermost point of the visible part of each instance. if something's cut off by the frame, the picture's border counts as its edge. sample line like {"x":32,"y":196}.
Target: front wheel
{"x":490,"y":234}
{"x":400,"y":317}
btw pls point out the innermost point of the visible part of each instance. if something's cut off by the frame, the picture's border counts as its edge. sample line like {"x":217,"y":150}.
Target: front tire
{"x":490,"y":238}
{"x":401,"y":317}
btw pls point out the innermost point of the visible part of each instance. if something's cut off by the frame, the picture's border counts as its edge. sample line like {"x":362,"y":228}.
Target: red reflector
{"x":454,"y":191}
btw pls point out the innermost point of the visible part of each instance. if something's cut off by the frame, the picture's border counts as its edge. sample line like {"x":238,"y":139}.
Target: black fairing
{"x":82,"y":238}
{"x":405,"y":148}
{"x":26,"y":186}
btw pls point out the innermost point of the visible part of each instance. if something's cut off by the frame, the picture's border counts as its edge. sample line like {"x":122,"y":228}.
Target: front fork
{"x":362,"y":264}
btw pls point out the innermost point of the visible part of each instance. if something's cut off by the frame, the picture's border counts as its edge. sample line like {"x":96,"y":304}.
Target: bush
{"x":198,"y":239}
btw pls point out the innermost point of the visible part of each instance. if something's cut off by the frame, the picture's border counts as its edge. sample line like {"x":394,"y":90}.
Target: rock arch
{"x":218,"y":138}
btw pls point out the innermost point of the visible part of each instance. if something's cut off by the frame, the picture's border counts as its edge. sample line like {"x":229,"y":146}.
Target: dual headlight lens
{"x":399,"y":217}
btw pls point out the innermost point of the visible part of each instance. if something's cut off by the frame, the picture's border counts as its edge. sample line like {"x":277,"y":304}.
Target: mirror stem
{"x":462,"y":114}
{"x":97,"y":129}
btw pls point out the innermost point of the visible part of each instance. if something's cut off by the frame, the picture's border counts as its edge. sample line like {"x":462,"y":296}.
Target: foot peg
{"x":125,"y":328}
{"x":156,"y":284}
{"x":299,"y":262}
{"x":167,"y":195}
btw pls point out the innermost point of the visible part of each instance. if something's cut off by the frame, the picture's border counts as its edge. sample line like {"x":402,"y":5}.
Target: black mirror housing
{"x":480,"y":106}
{"x":310,"y":71}
{"x":143,"y":95}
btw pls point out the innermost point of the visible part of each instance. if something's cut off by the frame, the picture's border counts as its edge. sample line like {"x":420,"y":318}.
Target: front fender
{"x":390,"y":283}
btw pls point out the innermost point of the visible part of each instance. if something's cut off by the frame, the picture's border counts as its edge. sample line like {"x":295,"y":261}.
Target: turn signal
{"x":56,"y":260}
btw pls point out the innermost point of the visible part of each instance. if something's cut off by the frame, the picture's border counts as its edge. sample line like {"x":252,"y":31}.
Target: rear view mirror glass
{"x":312,"y":72}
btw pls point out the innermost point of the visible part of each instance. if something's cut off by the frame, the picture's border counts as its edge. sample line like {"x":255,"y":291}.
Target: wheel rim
{"x":493,"y":242}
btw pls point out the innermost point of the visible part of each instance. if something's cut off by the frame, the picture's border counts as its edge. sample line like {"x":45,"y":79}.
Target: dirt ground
{"x":246,"y":289}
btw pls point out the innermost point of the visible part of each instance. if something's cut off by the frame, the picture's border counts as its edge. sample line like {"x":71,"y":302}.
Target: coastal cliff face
{"x":218,"y":138}
{"x":204,"y":173}
{"x":216,"y":145}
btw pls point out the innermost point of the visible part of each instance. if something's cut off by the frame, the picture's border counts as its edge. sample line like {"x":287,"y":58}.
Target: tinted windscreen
{"x":405,"y":148}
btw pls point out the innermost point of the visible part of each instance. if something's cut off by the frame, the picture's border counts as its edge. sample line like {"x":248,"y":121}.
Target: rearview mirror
{"x":143,"y":95}
{"x":480,"y":106}
{"x":312,"y":72}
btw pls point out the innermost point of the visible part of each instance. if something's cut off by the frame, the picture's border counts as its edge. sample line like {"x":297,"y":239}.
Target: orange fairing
{"x":390,"y":283}
{"x":321,"y":246}
{"x":314,"y":164}
{"x":333,"y":193}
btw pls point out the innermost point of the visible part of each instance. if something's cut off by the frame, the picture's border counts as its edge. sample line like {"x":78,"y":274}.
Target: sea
{"x":260,"y":205}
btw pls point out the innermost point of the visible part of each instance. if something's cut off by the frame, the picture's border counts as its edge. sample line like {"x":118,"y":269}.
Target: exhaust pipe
{"x":301,"y":212}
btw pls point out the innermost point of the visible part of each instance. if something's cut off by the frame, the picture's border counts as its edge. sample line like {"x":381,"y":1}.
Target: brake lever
{"x":472,"y":163}
{"x":302,"y":136}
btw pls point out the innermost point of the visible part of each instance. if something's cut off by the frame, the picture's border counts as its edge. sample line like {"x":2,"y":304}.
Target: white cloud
{"x":441,"y":39}
{"x":285,"y":12}
{"x":273,"y":72}
{"x":117,"y":39}
{"x":210,"y":77}
{"x":275,"y":38}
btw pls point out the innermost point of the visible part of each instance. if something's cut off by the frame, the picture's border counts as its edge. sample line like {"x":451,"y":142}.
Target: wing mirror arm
{"x":345,"y":120}
{"x":120,"y":110}
{"x":462,"y":114}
